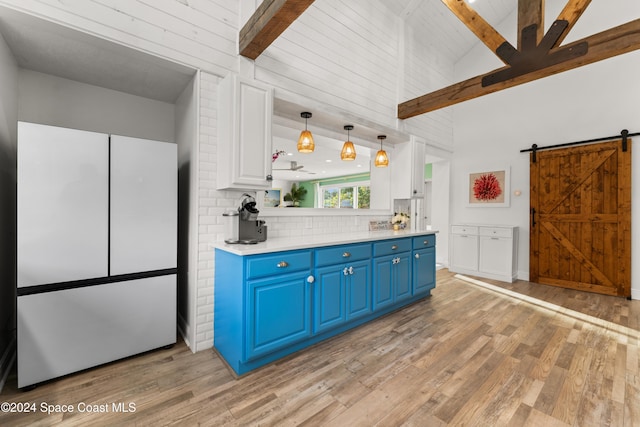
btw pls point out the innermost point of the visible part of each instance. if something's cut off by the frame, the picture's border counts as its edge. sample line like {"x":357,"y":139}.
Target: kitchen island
{"x":277,"y":297}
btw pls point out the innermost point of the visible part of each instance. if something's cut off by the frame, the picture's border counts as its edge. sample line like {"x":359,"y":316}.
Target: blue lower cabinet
{"x":424,"y":271}
{"x":391,"y":279}
{"x":329,"y":298}
{"x":341,"y":293}
{"x":424,"y":264}
{"x":270,"y":305}
{"x":278,"y":313}
{"x":358,"y":290}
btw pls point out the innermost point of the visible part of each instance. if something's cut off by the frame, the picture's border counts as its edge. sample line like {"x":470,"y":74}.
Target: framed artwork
{"x":489,"y":188}
{"x":272,"y":198}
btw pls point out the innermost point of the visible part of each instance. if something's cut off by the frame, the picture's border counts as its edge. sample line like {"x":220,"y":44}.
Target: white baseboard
{"x":6,"y":362}
{"x":635,"y":293}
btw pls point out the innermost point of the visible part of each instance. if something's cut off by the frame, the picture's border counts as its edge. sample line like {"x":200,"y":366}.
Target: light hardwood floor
{"x":469,"y":355}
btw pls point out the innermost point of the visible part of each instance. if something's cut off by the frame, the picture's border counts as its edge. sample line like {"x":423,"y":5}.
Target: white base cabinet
{"x":489,"y":251}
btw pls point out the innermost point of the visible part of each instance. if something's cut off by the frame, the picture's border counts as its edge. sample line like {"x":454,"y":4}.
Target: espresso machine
{"x":243,"y":225}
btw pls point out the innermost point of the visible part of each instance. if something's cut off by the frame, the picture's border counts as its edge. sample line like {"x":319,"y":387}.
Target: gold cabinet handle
{"x":282,"y":264}
{"x":346,"y":255}
{"x":394,"y":247}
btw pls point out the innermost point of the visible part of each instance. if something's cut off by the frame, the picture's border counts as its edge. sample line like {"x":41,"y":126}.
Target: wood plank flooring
{"x":473,"y":354}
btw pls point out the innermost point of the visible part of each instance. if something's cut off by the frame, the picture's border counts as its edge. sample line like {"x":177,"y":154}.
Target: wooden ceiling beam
{"x":530,"y":12}
{"x":607,"y":44}
{"x":269,"y":21}
{"x":481,"y":28}
{"x":571,"y":13}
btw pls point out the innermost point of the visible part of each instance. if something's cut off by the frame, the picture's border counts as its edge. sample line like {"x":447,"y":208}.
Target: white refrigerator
{"x":97,"y":241}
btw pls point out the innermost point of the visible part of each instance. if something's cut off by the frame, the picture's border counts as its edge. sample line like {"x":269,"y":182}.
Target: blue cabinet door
{"x":383,"y":294}
{"x":329,"y":298}
{"x":402,"y":276}
{"x":359,"y":290}
{"x":391,"y":279}
{"x":424,"y":272}
{"x":277,"y":313}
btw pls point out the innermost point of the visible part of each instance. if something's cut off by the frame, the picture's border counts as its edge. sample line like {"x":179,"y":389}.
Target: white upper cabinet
{"x":408,"y":169}
{"x":245,"y":110}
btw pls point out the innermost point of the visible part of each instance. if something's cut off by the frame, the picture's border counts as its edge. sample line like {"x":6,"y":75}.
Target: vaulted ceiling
{"x":432,"y":20}
{"x":538,"y":50}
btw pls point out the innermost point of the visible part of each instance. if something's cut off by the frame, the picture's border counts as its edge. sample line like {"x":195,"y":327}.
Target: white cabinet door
{"x":407,"y":164}
{"x":245,"y":114}
{"x":495,"y":255}
{"x":144,"y":188}
{"x":62,"y":204}
{"x":417,"y":169}
{"x":464,"y":252}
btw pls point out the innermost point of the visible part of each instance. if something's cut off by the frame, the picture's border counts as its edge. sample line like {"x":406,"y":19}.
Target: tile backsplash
{"x":287,"y":226}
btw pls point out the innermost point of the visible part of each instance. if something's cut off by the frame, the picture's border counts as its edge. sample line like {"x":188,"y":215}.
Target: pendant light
{"x":305,"y":142}
{"x":381,"y":161}
{"x":348,"y":152}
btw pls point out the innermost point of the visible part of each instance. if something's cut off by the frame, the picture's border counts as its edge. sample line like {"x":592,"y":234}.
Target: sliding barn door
{"x":581,"y":218}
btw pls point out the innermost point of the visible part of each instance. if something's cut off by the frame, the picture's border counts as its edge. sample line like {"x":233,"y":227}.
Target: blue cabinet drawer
{"x":278,"y":263}
{"x":427,"y":241}
{"x":389,"y":247}
{"x":344,"y":253}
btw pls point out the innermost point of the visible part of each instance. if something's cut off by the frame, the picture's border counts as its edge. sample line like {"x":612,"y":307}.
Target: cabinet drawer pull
{"x":311,"y":279}
{"x":394,"y":247}
{"x":346,"y":255}
{"x":417,"y":256}
{"x":282,"y":264}
{"x":426,"y":242}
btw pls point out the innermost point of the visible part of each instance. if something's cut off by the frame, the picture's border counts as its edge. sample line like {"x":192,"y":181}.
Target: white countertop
{"x":305,"y":242}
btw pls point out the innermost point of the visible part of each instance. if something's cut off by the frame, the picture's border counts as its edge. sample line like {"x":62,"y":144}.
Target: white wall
{"x":187,"y":107}
{"x":594,"y":101}
{"x":8,"y":129}
{"x":55,"y":101}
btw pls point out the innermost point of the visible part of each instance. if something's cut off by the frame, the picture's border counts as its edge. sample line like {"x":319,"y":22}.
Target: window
{"x":345,"y":196}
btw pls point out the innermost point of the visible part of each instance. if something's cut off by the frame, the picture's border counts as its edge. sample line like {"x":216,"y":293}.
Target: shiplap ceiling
{"x":432,"y":20}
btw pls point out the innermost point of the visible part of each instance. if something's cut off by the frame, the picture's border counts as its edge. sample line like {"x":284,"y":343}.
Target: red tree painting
{"x":487,"y":187}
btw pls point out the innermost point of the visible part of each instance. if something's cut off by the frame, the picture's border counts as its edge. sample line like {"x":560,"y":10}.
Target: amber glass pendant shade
{"x":348,"y":152}
{"x":305,"y":142}
{"x":381,"y":160}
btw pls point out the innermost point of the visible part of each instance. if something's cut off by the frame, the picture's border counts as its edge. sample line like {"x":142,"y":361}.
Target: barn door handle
{"x":533,"y":217}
